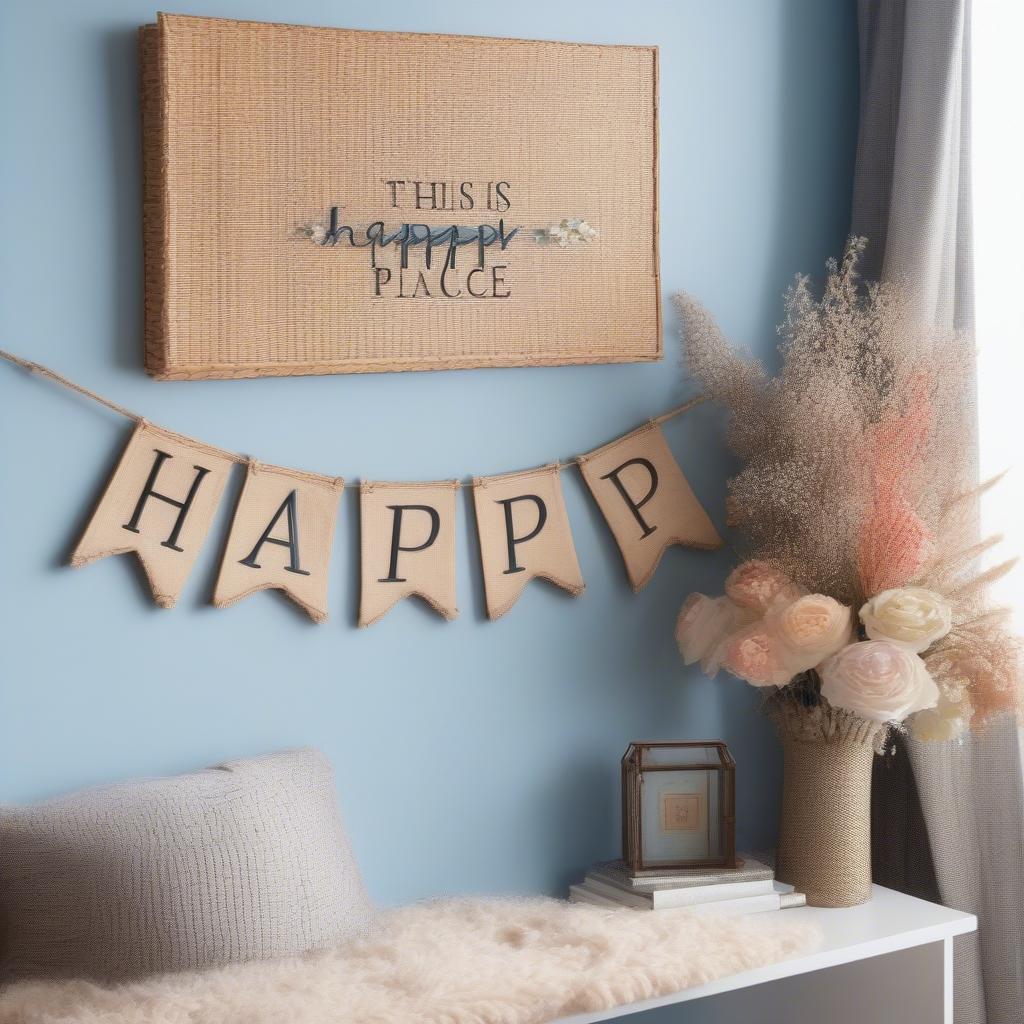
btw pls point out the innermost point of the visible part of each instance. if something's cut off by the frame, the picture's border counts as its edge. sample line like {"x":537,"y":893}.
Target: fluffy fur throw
{"x":452,"y":962}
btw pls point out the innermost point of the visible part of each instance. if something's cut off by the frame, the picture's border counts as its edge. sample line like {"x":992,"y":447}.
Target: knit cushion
{"x":244,"y":861}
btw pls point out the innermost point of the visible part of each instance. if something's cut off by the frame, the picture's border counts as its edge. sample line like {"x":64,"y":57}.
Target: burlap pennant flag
{"x":524,"y":533}
{"x":647,"y":501}
{"x":408,"y":546}
{"x":159,"y":504}
{"x":281,"y":538}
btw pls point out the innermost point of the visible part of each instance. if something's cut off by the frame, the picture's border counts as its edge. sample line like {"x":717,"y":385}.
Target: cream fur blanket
{"x":453,"y":962}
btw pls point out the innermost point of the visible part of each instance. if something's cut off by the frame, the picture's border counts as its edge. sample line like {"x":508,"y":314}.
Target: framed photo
{"x":677,"y":806}
{"x":678,"y":815}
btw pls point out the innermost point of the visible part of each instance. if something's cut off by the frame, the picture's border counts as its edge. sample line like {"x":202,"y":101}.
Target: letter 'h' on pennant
{"x":159,"y":504}
{"x":524,"y":533}
{"x":408,"y":546}
{"x":281,"y":538}
{"x":646,"y":500}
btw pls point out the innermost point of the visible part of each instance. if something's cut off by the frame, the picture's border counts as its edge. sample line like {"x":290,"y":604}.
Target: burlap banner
{"x":281,"y":538}
{"x":159,"y":503}
{"x":408,"y":546}
{"x":524,"y":533}
{"x":643,"y":494}
{"x":162,"y":496}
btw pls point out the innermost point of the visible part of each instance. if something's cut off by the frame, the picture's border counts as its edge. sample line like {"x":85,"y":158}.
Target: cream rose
{"x":911,"y":616}
{"x":703,"y":623}
{"x":948,"y":720}
{"x":810,"y":629}
{"x":878,"y":680}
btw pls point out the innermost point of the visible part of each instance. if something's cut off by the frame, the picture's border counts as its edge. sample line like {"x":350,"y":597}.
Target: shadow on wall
{"x":124,"y":175}
{"x":809,"y":38}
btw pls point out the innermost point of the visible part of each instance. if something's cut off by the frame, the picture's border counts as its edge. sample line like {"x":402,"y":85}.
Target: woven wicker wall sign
{"x":346,"y":201}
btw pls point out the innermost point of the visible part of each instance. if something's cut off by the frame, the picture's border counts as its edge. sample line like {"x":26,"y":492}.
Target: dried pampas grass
{"x":859,"y":469}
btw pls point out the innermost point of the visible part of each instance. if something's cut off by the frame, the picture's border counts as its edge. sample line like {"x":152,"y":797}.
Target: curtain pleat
{"x":948,"y":818}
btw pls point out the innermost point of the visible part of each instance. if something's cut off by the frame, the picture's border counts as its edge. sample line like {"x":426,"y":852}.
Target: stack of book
{"x":748,"y":888}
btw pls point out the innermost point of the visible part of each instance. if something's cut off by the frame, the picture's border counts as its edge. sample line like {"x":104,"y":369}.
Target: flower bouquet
{"x":860,"y":604}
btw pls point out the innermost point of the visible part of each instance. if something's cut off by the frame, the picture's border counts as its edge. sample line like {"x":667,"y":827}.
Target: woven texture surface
{"x":407,"y":536}
{"x":825,"y":833}
{"x":240,"y":862}
{"x":527,"y":505}
{"x":647,"y":501}
{"x":281,"y":538}
{"x":173,"y":471}
{"x":252,"y":131}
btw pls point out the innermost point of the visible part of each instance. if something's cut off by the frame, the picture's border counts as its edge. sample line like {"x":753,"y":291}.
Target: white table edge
{"x":957,"y":923}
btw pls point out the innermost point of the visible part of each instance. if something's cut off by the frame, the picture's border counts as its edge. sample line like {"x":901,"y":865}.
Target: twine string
{"x":57,"y":378}
{"x":45,"y":371}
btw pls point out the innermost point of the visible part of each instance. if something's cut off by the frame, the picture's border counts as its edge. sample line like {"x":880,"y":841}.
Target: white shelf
{"x":888,"y":922}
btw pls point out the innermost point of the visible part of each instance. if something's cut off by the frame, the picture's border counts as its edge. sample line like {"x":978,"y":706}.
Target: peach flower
{"x":811,"y":629}
{"x":703,"y":623}
{"x":754,"y":654}
{"x":758,"y":585}
{"x":878,"y":680}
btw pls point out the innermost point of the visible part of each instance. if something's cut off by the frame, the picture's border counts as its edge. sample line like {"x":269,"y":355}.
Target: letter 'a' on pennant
{"x":647,"y":501}
{"x":408,"y":546}
{"x":281,"y":538}
{"x":524,"y":533}
{"x":159,"y":503}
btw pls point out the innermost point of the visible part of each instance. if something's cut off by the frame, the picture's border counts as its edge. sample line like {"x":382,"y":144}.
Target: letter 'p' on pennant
{"x":159,"y":504}
{"x":281,"y":538}
{"x":646,"y":500}
{"x":524,"y":533}
{"x":408,"y":546}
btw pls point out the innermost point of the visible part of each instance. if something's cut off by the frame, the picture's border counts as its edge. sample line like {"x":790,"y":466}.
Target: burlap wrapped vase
{"x":825,"y":830}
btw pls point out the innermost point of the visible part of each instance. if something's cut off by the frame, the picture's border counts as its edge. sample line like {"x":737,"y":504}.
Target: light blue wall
{"x":470,"y":756}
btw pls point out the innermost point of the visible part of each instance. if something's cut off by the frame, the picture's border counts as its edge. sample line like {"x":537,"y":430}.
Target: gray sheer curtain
{"x":948,"y":818}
